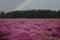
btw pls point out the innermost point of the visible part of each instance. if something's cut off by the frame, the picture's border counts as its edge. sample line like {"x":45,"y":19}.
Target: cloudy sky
{"x":10,"y":5}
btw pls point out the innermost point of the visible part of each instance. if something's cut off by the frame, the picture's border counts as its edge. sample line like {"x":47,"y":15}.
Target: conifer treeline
{"x":31,"y":14}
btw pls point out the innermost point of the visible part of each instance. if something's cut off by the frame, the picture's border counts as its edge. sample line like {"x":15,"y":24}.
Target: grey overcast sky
{"x":10,"y":5}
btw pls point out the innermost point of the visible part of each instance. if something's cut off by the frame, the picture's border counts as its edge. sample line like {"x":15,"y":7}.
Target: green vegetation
{"x":31,"y":14}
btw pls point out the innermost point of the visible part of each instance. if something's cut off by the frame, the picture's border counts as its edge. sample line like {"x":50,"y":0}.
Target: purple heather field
{"x":30,"y":29}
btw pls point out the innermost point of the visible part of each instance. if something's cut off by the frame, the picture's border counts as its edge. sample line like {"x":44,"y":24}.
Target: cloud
{"x":9,"y":5}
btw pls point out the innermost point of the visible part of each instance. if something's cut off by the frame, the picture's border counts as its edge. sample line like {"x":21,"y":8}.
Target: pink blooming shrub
{"x":29,"y":29}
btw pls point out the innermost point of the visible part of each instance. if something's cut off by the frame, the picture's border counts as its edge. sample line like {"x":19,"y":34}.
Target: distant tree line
{"x":31,"y":14}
